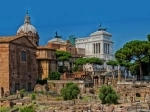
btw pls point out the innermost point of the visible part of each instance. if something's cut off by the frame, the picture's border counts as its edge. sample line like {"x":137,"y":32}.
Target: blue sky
{"x":126,"y":20}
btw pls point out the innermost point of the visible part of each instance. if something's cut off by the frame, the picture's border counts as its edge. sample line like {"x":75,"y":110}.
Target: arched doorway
{"x":137,"y":97}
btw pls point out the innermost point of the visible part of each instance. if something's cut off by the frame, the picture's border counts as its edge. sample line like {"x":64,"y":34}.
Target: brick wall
{"x":4,"y":68}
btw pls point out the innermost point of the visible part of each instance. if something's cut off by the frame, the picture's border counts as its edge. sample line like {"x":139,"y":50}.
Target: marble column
{"x":108,"y":49}
{"x":99,"y":81}
{"x":99,"y":48}
{"x":102,"y":47}
{"x":119,"y":74}
{"x":94,"y":48}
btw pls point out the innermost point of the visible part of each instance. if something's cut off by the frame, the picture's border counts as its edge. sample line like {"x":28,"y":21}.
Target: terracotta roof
{"x":8,"y":38}
{"x":45,"y":47}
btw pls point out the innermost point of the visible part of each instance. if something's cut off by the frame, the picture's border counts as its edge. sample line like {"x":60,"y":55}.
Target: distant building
{"x":98,"y":44}
{"x":58,"y":43}
{"x":72,"y":39}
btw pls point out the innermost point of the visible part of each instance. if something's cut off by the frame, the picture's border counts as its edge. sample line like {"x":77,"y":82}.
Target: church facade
{"x":18,"y":64}
{"x":23,"y":61}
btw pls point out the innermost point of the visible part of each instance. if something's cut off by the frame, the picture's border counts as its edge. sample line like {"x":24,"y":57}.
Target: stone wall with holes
{"x":130,"y":92}
{"x":57,"y":85}
{"x":23,"y":74}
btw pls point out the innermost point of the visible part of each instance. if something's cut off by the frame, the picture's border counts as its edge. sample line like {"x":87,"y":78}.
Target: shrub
{"x":70,"y":91}
{"x":33,"y":96}
{"x":22,"y":91}
{"x":27,"y":109}
{"x":54,"y":76}
{"x":108,"y":95}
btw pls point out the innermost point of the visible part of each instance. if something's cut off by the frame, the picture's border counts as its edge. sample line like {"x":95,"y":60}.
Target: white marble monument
{"x":98,"y":44}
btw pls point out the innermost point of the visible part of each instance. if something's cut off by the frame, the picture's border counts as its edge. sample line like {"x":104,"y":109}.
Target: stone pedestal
{"x":99,"y":81}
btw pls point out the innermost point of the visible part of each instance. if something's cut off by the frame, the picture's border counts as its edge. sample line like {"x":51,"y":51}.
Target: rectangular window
{"x":17,"y":86}
{"x":29,"y":87}
{"x":23,"y":56}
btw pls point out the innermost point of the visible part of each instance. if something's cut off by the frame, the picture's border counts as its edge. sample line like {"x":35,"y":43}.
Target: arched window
{"x":23,"y":56}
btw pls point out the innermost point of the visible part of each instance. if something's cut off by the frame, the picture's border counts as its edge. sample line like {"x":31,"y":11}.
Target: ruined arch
{"x":137,"y":94}
{"x":126,"y":94}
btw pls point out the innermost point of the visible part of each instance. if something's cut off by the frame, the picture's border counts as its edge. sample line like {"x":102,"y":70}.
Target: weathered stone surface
{"x":40,"y":88}
{"x":57,"y":85}
{"x":7,"y":104}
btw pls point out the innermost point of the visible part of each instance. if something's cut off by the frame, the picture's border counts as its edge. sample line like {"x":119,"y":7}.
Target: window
{"x":23,"y":56}
{"x":17,"y":86}
{"x":29,"y":87}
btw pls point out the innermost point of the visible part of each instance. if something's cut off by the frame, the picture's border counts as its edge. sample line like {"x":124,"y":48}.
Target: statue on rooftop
{"x":56,"y":36}
{"x":100,"y":28}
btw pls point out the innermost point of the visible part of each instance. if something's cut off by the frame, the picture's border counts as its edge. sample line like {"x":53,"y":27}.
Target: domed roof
{"x":57,"y":40}
{"x":27,"y":28}
{"x":101,"y":32}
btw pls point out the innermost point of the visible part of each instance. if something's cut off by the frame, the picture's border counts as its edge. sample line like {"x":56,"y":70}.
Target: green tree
{"x":126,"y":66}
{"x":54,"y":76}
{"x":108,"y":95}
{"x":94,"y":61}
{"x":75,"y":68}
{"x":148,"y":37}
{"x":134,"y":69}
{"x":80,"y":62}
{"x":112,"y":63}
{"x":133,"y":51}
{"x":70,"y":91}
{"x":63,"y":56}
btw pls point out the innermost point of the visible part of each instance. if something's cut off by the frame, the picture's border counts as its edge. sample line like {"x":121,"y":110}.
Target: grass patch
{"x":86,"y":98}
{"x":4,"y":109}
